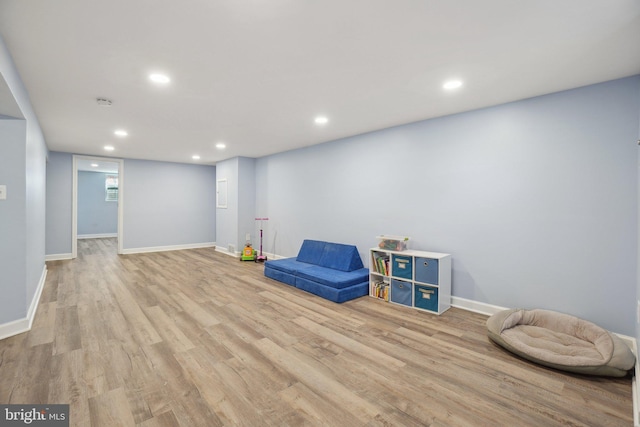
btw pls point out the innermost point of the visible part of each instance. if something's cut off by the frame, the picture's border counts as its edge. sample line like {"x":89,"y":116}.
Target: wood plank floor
{"x":196,"y":338}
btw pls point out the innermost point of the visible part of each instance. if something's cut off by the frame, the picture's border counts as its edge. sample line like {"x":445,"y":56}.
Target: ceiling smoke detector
{"x":104,"y":102}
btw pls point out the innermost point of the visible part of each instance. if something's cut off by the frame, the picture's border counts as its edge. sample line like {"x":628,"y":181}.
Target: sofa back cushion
{"x":331,"y":255}
{"x":311,"y":251}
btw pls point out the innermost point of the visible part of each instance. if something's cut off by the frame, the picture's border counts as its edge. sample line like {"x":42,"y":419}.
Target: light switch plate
{"x":3,"y":192}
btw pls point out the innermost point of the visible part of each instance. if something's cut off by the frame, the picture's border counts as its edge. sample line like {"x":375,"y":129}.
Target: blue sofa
{"x":330,"y":270}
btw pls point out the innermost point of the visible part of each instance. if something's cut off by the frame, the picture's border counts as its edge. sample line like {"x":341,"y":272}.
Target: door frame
{"x":74,"y":209}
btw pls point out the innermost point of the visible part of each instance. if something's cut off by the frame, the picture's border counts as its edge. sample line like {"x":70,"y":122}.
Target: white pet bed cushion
{"x":561,"y":341}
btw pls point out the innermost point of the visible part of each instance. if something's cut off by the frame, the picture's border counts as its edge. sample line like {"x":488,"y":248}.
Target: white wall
{"x":536,"y":200}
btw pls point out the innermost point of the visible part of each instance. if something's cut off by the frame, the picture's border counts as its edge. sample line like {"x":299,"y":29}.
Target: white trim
{"x":97,"y":236}
{"x":74,"y":207}
{"x":168,"y":248}
{"x":226,"y":252}
{"x":635,"y":392}
{"x":19,"y":326}
{"x":14,"y":328}
{"x":634,"y":396}
{"x":31,"y":314}
{"x":237,"y":254}
{"x":475,"y":306}
{"x":221,"y":204}
{"x":272,"y":256}
{"x":58,"y":257}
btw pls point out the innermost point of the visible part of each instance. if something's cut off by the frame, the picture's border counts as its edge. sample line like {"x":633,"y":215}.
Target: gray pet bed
{"x":561,"y":341}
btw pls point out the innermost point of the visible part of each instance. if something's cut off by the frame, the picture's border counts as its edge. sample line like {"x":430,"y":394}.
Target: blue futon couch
{"x":330,"y":270}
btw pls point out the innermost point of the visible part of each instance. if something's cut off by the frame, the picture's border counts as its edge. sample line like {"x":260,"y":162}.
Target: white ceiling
{"x":255,"y":73}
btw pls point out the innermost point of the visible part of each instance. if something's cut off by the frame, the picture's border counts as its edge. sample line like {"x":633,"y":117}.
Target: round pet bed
{"x":561,"y":341}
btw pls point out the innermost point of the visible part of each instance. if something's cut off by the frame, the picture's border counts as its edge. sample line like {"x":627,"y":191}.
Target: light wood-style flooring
{"x":197,"y":338}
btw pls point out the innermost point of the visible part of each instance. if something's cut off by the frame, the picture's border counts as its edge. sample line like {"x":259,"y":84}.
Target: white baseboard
{"x":475,"y":306}
{"x":273,"y":256}
{"x":31,"y":314}
{"x":58,"y":257}
{"x":19,"y":326}
{"x":97,"y":236}
{"x":226,"y":252}
{"x":635,"y":395}
{"x":237,"y":254}
{"x":635,"y":392}
{"x":168,"y":248}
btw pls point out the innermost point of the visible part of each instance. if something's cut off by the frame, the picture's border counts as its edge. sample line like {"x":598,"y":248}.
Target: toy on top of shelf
{"x":392,"y":243}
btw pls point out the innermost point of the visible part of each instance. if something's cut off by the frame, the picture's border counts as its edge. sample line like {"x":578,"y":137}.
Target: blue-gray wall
{"x":95,"y":214}
{"x":234,"y":222}
{"x":536,"y":200}
{"x":59,"y":204}
{"x":227,"y":218}
{"x":168,"y":204}
{"x":13,"y":304}
{"x":23,"y":166}
{"x":247,"y":203}
{"x":638,"y":260}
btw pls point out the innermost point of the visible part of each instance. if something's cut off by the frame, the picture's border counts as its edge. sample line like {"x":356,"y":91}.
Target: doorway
{"x":106,"y":165}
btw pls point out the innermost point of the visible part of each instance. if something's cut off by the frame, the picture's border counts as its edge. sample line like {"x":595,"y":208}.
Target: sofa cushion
{"x":311,"y":251}
{"x":288,"y":265}
{"x":333,"y":294}
{"x":340,"y":257}
{"x":279,"y":275}
{"x":334,"y":278}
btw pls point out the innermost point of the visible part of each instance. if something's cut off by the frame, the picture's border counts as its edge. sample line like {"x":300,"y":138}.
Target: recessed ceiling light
{"x":121,"y":132}
{"x":221,"y":145}
{"x":452,"y":84}
{"x":195,"y":157}
{"x":159,"y":78}
{"x":94,"y":165}
{"x":109,"y":147}
{"x":321,"y":120}
{"x":104,"y":102}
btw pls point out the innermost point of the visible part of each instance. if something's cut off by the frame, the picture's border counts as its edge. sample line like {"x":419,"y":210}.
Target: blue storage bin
{"x":427,"y":270}
{"x":426,"y":297}
{"x":402,"y":266}
{"x":401,"y":292}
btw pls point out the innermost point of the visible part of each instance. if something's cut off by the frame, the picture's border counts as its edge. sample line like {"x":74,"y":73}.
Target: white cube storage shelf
{"x":417,"y":279}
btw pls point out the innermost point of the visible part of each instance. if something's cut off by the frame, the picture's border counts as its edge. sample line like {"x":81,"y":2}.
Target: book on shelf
{"x":381,"y":263}
{"x":381,"y":290}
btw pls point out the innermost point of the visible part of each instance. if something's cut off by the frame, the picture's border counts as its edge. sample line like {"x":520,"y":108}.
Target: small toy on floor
{"x":248,"y":253}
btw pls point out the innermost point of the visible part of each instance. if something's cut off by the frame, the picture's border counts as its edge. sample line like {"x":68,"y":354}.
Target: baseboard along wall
{"x":19,"y":326}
